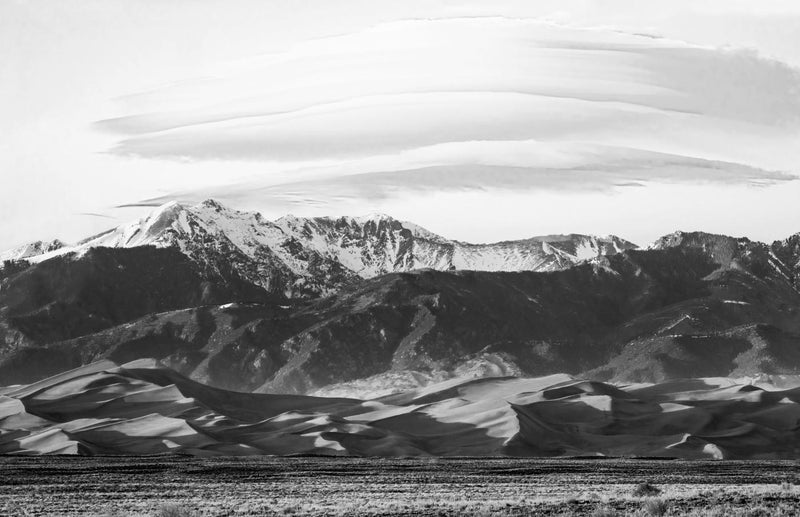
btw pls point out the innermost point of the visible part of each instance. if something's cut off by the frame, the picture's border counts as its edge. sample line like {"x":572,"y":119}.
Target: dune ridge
{"x":142,"y":407}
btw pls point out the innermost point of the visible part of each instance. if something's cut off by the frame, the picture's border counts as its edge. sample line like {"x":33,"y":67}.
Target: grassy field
{"x":182,"y":486}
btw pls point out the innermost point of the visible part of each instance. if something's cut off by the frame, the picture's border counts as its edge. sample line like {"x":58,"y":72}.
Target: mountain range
{"x":369,"y":306}
{"x":308,"y":257}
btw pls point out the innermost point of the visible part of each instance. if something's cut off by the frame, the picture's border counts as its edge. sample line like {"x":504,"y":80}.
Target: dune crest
{"x":145,"y":408}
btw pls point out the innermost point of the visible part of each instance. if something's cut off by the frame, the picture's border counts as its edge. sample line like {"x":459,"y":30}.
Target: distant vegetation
{"x":12,"y":267}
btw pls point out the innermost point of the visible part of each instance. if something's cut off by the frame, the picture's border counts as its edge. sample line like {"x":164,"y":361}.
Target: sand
{"x":144,"y":408}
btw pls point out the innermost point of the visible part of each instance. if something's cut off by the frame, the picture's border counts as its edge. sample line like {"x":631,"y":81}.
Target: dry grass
{"x":174,"y":510}
{"x":176,"y":487}
{"x":754,"y":510}
{"x":655,"y":507}
{"x":605,"y":511}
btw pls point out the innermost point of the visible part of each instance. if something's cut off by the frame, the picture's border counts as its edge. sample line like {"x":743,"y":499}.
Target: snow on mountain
{"x":789,"y":250}
{"x":548,"y":253}
{"x":372,"y":245}
{"x":722,"y":248}
{"x":310,"y":256}
{"x":379,"y":245}
{"x":703,"y":240}
{"x":226,"y":242}
{"x":31,"y":249}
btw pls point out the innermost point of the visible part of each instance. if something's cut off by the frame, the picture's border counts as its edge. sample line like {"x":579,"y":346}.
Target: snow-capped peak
{"x":306,"y":256}
{"x":422,"y":233}
{"x":373,"y":217}
{"x":694,"y":239}
{"x":31,"y":249}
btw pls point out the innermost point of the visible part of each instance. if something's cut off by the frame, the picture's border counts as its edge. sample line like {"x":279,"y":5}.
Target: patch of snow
{"x":675,"y":323}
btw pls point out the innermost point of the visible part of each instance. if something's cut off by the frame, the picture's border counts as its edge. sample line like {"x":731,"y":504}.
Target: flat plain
{"x":158,"y":485}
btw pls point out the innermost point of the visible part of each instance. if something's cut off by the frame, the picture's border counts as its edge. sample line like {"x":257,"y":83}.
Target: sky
{"x":481,"y":121}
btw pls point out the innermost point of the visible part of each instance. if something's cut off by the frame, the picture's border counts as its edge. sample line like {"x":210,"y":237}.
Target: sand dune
{"x":145,"y":408}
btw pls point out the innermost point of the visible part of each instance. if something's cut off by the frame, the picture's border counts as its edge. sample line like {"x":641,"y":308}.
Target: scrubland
{"x":174,"y":486}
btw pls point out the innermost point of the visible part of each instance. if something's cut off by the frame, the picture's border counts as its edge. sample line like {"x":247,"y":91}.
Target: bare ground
{"x":350,"y":486}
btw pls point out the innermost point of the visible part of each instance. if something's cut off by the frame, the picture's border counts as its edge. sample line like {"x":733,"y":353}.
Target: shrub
{"x":655,"y":507}
{"x":646,"y":490}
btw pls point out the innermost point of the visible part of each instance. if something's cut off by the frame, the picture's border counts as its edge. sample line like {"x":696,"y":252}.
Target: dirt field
{"x":334,"y":486}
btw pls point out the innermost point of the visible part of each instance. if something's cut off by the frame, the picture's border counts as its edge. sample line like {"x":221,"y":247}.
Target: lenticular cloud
{"x":478,"y":103}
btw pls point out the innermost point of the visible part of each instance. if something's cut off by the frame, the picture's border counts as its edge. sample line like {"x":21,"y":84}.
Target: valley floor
{"x":179,"y":486}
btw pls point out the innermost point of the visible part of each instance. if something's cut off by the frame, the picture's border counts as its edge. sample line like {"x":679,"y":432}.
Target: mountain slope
{"x":566,"y":321}
{"x":423,"y":320}
{"x":788,"y":251}
{"x":620,"y":318}
{"x":70,"y":296}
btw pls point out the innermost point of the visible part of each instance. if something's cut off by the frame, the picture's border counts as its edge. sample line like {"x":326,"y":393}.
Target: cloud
{"x":445,"y":103}
{"x":570,"y":169}
{"x":93,"y":214}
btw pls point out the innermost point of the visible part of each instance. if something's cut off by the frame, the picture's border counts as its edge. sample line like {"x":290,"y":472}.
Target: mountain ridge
{"x":313,"y":256}
{"x":36,"y":251}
